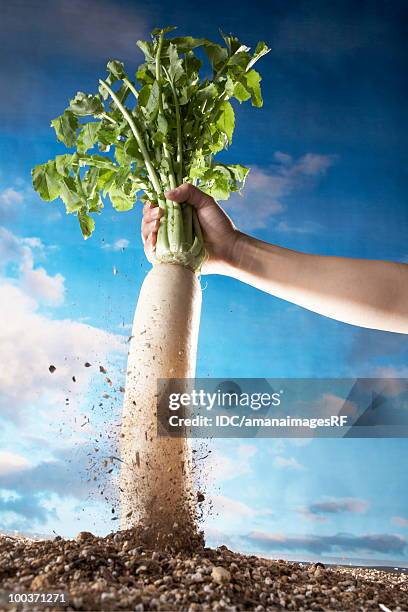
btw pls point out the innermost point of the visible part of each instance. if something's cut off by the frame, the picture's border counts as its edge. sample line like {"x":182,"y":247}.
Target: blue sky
{"x":327,"y":176}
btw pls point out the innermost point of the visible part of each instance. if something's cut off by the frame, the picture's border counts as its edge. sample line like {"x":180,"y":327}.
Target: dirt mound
{"x":117,"y":573}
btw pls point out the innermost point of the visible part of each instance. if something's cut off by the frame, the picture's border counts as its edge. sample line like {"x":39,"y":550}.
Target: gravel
{"x":117,"y":573}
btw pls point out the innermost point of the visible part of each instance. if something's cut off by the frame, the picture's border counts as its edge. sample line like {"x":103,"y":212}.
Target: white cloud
{"x":237,"y":463}
{"x":36,"y":282}
{"x":400,"y":521}
{"x":11,"y":463}
{"x":39,"y":284}
{"x":10,"y":196}
{"x":118,"y":245}
{"x":288,"y":463}
{"x":30,"y":341}
{"x":308,"y":227}
{"x":233,"y":509}
{"x":266,"y":190}
{"x":10,"y":200}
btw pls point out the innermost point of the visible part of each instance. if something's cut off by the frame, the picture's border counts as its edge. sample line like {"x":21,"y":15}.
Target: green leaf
{"x":86,"y":104}
{"x":96,"y":204}
{"x":261,"y":49}
{"x":187,"y":43}
{"x":63,"y":163}
{"x":144,"y":74}
{"x":159,"y":31}
{"x":86,"y":223}
{"x":106,"y":178}
{"x":132,"y":151}
{"x":116,"y":70}
{"x":121,"y":177}
{"x":240,"y":59}
{"x":216,"y":54}
{"x":152,"y":104}
{"x":241,"y":93}
{"x":46,"y":181}
{"x":175,"y":69}
{"x":65,"y":127}
{"x":144,"y":95}
{"x":162,"y":124}
{"x":147,"y":48}
{"x":96,"y":161}
{"x":238,"y":171}
{"x":69,"y":195}
{"x":252,"y":81}
{"x":88,"y":136}
{"x":191,"y":65}
{"x":229,"y":86}
{"x":207,"y":93}
{"x":232,"y":43}
{"x":226,"y":120}
{"x":120,"y":200}
{"x":107,"y":134}
{"x":89,"y":183}
{"x":219,"y":189}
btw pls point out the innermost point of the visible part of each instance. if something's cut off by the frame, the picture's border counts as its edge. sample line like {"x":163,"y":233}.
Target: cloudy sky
{"x":327,"y":176}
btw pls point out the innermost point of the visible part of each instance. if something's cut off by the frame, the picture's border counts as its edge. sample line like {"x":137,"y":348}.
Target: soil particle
{"x":119,"y":573}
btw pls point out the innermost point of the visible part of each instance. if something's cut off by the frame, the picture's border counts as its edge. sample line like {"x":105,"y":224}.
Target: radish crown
{"x":154,"y":132}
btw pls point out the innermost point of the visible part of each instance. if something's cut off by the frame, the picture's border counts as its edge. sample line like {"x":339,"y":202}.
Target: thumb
{"x":188,"y":193}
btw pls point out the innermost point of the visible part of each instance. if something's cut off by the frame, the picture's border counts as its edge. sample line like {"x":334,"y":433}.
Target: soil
{"x":118,"y":573}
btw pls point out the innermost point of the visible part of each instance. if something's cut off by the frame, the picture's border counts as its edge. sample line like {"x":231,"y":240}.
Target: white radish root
{"x":157,"y":496}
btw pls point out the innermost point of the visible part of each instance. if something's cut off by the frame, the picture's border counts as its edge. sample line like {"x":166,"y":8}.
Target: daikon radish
{"x":157,"y":494}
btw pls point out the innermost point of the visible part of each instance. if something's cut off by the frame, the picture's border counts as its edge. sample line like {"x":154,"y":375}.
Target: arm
{"x":358,"y":291}
{"x":362,"y":292}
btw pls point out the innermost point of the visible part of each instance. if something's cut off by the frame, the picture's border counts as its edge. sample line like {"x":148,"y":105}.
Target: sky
{"x":327,"y":176}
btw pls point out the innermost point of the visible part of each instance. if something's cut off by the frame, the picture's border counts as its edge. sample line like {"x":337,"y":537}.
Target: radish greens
{"x":153,"y":132}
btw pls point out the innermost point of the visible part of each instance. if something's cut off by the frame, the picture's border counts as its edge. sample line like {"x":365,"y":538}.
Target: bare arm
{"x":358,"y":291}
{"x":362,"y":292}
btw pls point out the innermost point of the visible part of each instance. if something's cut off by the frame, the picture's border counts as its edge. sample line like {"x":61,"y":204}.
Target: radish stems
{"x":149,"y":167}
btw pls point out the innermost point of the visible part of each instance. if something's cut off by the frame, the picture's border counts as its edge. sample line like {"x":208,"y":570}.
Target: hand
{"x":220,"y":234}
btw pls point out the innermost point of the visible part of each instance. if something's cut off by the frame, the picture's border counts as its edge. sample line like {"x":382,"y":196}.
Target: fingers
{"x":188,"y":193}
{"x":149,"y":246}
{"x":148,"y":228}
{"x":151,"y":212}
{"x":151,"y":222}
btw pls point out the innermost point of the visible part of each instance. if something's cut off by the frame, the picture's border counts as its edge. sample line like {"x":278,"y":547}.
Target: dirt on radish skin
{"x":157,"y":493}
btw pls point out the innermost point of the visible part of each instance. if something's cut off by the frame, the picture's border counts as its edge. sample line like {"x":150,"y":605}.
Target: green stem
{"x":172,"y":178}
{"x":179,"y":137}
{"x":106,"y":116}
{"x":180,"y":168}
{"x":149,"y":167}
{"x":131,"y":87}
{"x":162,"y":244}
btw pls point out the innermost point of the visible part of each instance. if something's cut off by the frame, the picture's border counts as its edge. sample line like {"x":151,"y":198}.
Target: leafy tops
{"x":139,"y":136}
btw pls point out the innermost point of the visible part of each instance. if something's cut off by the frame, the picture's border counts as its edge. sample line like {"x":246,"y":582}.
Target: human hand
{"x":220,"y":234}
